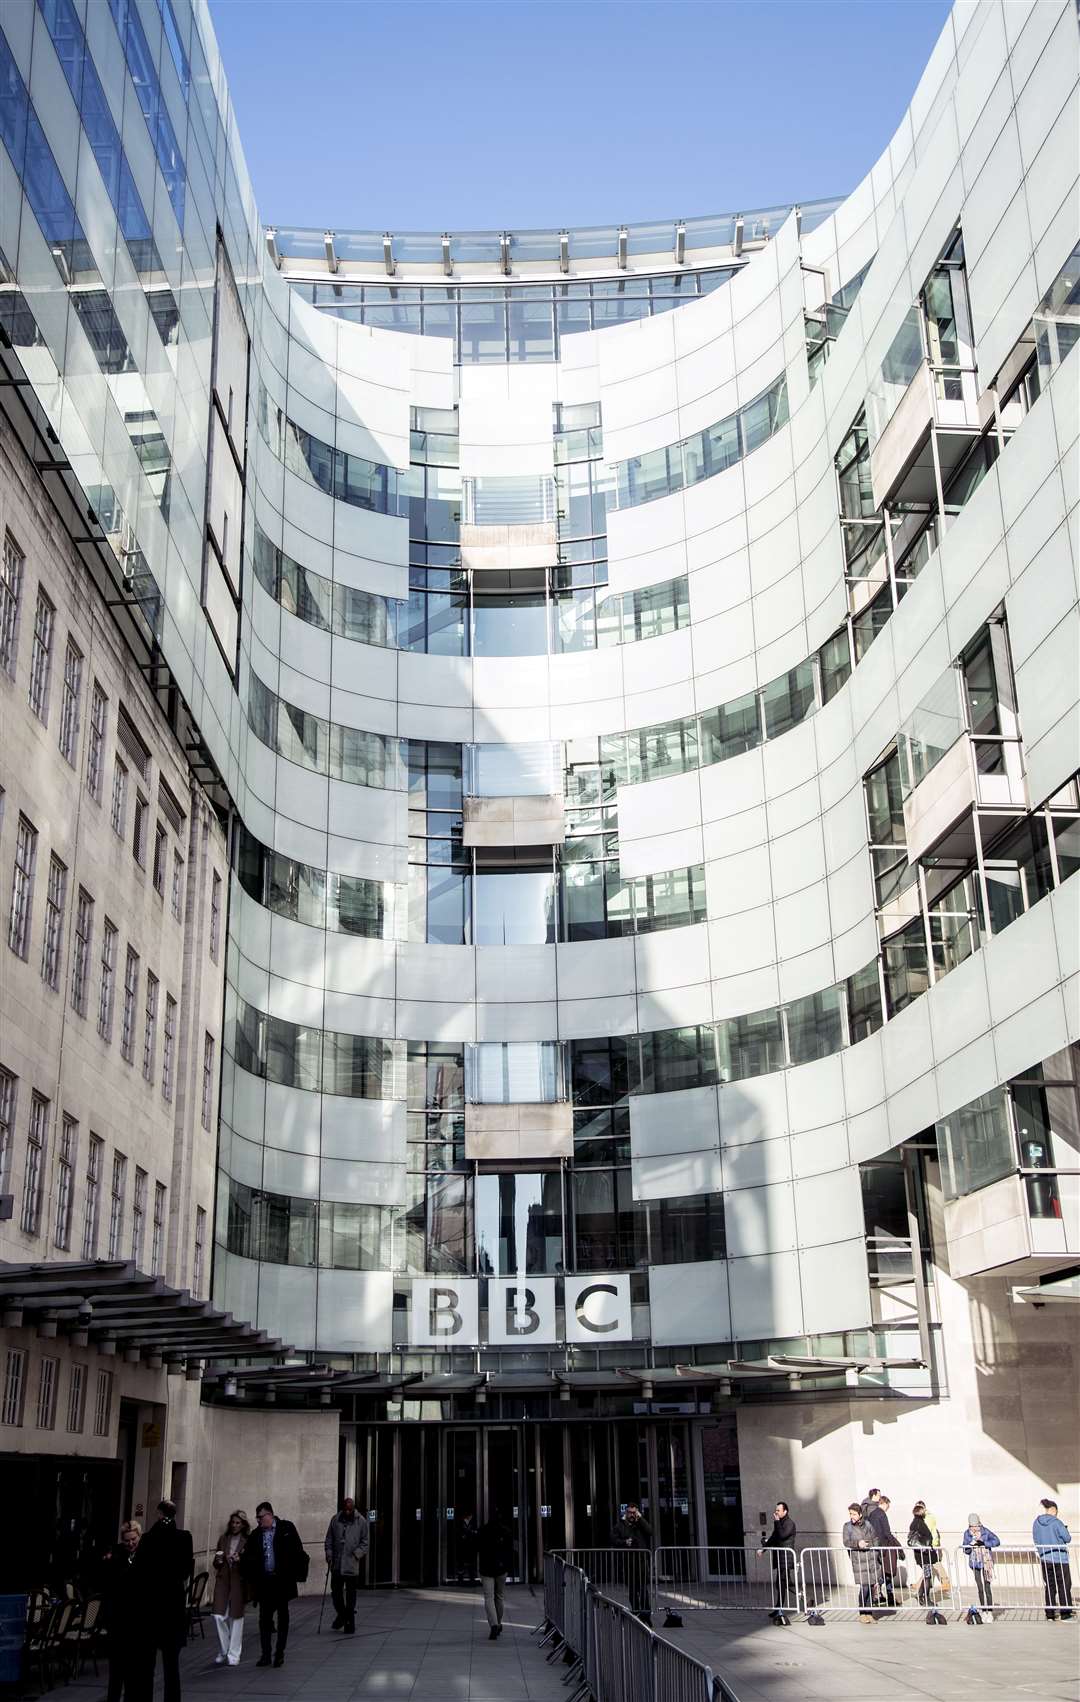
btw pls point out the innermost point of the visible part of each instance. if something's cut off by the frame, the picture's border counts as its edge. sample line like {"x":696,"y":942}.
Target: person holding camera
{"x":632,"y":1532}
{"x":979,"y":1545}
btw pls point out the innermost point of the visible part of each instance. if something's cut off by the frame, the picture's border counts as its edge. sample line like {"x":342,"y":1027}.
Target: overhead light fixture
{"x":325,"y":1397}
{"x":270,"y":1397}
{"x":646,"y":1389}
{"x":228,"y":1388}
{"x":193,"y":1370}
{"x":47,"y":1326}
{"x":12,"y":1315}
{"x":330,"y":251}
{"x":564,"y":1391}
{"x":107,"y":1347}
{"x":132,"y":1356}
{"x":504,"y":253}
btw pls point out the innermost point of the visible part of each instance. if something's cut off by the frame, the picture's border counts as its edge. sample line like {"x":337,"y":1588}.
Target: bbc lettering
{"x":519,"y":1310}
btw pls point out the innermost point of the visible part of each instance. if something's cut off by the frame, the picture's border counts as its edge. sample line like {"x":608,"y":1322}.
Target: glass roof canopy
{"x":588,"y":244}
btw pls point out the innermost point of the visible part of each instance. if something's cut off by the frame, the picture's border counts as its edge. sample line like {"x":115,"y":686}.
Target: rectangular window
{"x":91,"y":1221}
{"x":161,"y":858}
{"x":70,"y":709}
{"x":131,"y":994}
{"x":116,"y":1205}
{"x":22,"y":888}
{"x":11,"y":578}
{"x":14,"y":1383}
{"x":208,"y":1081}
{"x":76,"y":1405}
{"x":168,"y":1048}
{"x":150,"y":1030}
{"x":103,"y":1403}
{"x":48,"y":1377}
{"x":41,"y":658}
{"x":157,"y":1238}
{"x":119,"y":798}
{"x":200,"y":1252}
{"x":178,"y":886}
{"x":138,"y":1215}
{"x":215,"y":916}
{"x":53,"y":942}
{"x":138,"y":835}
{"x":95,"y":749}
{"x":36,"y":1138}
{"x":80,"y":957}
{"x":107,"y":996}
{"x":8,"y":1095}
{"x":65,"y":1181}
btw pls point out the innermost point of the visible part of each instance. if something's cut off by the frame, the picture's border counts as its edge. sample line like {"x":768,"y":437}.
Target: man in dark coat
{"x":165,"y":1561}
{"x":631,"y":1532}
{"x":123,"y":1616}
{"x":782,"y":1537}
{"x":889,"y":1543}
{"x":273,"y":1563}
{"x":494,"y":1558}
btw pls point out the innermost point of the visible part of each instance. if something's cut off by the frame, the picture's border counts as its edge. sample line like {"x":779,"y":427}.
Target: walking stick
{"x":322,"y":1604}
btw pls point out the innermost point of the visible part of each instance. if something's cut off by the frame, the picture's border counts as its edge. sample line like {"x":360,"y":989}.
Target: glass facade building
{"x":635,"y":670}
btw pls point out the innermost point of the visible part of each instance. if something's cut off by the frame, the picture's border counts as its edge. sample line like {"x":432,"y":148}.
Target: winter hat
{"x":973,"y":1520}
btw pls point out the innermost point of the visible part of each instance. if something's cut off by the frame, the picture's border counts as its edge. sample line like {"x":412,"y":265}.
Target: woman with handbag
{"x":230,"y":1589}
{"x":979,"y":1545}
{"x":920,"y":1540}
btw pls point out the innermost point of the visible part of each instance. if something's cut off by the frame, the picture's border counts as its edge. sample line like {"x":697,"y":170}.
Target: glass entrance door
{"x":461,"y":1503}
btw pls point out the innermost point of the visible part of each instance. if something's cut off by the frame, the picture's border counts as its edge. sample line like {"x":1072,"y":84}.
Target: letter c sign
{"x":598,"y":1309}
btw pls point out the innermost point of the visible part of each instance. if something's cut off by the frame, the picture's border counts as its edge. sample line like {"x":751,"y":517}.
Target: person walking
{"x":920,"y":1540}
{"x":274,"y":1561}
{"x":494,"y":1558}
{"x":890,"y":1552}
{"x":346,"y":1545}
{"x":165,"y":1561}
{"x":124,"y":1620}
{"x":782,"y":1540}
{"x":632,"y":1533}
{"x":1051,"y":1538}
{"x":230,"y":1588}
{"x":860,"y":1544}
{"x":979,"y":1545}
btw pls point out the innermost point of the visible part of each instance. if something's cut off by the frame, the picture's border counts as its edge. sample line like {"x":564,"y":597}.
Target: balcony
{"x":494,"y":823}
{"x":1027,"y":1218}
{"x":508,"y":1134}
{"x":938,"y":413}
{"x":975,"y":771}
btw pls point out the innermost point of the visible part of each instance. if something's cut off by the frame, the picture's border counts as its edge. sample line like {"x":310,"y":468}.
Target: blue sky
{"x":405,"y":114}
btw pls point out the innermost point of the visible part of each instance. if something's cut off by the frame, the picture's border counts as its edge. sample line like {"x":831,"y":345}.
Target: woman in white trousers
{"x":230,"y":1596}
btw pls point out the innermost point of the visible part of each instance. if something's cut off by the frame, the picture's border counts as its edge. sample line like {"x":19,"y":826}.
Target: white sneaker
{"x":234,"y":1660}
{"x":219,"y":1660}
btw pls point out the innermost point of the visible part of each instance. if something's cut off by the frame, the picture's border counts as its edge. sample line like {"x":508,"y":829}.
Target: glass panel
{"x":519,"y":1223}
{"x":789,"y":699}
{"x":975,"y":1145}
{"x":517,"y":908}
{"x":730,"y":729}
{"x":815,"y":1028}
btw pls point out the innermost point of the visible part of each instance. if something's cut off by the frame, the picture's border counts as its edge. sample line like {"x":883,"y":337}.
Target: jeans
{"x":1057,"y":1587}
{"x":343,"y":1593}
{"x":493,"y":1597}
{"x":230,"y":1635}
{"x":273,"y":1603}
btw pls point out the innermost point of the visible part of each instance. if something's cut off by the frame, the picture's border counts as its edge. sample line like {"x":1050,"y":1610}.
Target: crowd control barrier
{"x":881,"y":1582}
{"x":737,"y":1579}
{"x":1018,"y":1580}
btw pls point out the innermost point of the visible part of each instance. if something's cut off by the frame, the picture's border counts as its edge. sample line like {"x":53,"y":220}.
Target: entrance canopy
{"x":111,"y":1305}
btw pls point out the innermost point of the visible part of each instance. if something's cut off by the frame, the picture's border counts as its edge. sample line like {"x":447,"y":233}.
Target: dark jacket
{"x":494,"y":1549}
{"x":921,"y":1543}
{"x":290,"y":1562}
{"x":782,"y":1534}
{"x":123,"y":1597}
{"x":631,"y":1533}
{"x":885,"y":1538}
{"x":165,"y":1561}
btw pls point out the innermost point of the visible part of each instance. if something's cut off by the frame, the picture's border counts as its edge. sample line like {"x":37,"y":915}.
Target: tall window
{"x":208,"y":1081}
{"x":41,"y":657}
{"x":131,"y":994}
{"x":65,"y":1181}
{"x":70,"y":709}
{"x":161,"y":858}
{"x":116,"y":1205}
{"x":138,"y":1215}
{"x":48,"y":1377}
{"x":200,"y":1253}
{"x":168,"y":1049}
{"x":150,"y":1030}
{"x":157,"y":1239}
{"x":8,"y":1094}
{"x":102,"y":1403}
{"x":178,"y":886}
{"x":107,"y":998}
{"x":118,"y":813}
{"x":11,"y":1407}
{"x":95,"y":749}
{"x":76,"y":1405}
{"x":22,"y":888}
{"x":215,"y":916}
{"x":11,"y":578}
{"x":95,"y":1158}
{"x":33,"y":1177}
{"x":80,"y":957}
{"x":138,"y":835}
{"x":52,"y":944}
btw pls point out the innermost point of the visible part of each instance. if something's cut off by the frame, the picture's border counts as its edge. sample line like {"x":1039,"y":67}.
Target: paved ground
{"x":1010,"y":1661}
{"x":432,"y":1646}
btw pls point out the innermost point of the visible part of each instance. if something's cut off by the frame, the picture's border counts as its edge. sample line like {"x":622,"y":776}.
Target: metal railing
{"x":1018,"y":1580}
{"x":735,"y":1579}
{"x":874,"y":1583}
